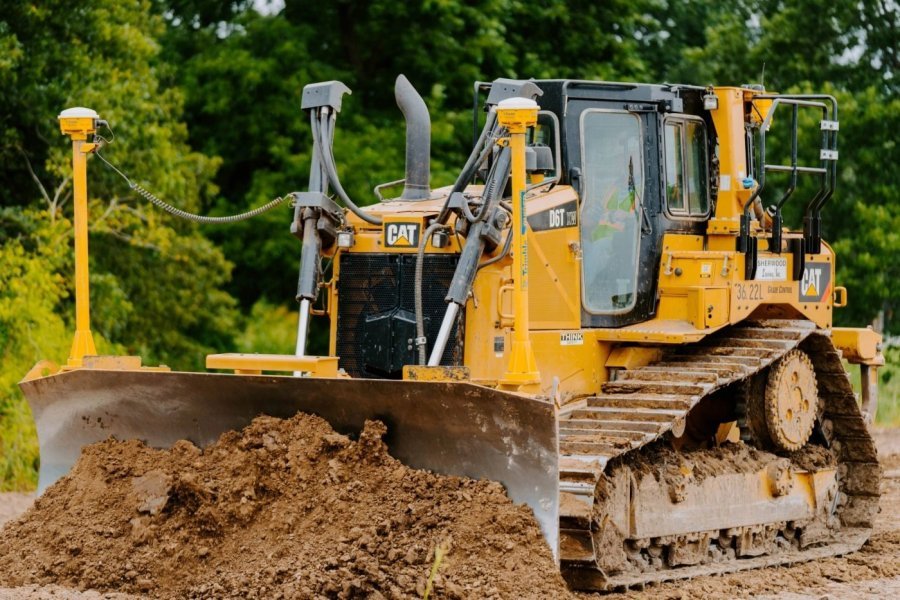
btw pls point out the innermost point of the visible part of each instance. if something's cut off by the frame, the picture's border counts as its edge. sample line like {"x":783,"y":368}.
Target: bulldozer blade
{"x":452,"y":428}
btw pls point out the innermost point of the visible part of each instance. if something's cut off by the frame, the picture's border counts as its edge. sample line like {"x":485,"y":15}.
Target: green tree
{"x":104,"y":54}
{"x":243,"y":80}
{"x":155,"y":280}
{"x":30,"y":328}
{"x":864,"y":221}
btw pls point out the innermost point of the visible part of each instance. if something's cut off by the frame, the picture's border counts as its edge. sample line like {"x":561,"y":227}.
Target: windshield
{"x":610,"y":232}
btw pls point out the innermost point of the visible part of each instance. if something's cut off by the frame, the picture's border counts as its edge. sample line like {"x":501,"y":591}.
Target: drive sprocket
{"x":783,"y":403}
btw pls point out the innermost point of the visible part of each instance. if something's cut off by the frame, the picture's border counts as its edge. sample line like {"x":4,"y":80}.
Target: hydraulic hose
{"x":467,"y":267}
{"x":331,"y":170}
{"x":468,"y":170}
{"x":496,"y":183}
{"x":505,"y":251}
{"x":474,"y":247}
{"x":183,"y":214}
{"x":420,"y":262}
{"x":479,"y":153}
{"x":469,"y":215}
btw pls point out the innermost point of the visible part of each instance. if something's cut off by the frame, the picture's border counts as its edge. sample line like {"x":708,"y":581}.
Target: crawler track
{"x":644,"y":404}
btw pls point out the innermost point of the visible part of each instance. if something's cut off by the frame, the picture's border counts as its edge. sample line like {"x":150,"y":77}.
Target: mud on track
{"x":872,"y":573}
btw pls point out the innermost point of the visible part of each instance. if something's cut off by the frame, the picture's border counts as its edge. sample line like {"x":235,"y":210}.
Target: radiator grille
{"x":373,"y":284}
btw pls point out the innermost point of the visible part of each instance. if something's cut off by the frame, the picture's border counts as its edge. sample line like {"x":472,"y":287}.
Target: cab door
{"x":617,"y":154}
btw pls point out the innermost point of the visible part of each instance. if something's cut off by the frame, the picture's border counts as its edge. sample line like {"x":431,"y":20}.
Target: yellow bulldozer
{"x":600,"y":313}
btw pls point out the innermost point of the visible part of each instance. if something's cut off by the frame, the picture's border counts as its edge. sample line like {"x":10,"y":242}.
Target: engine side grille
{"x":372,"y":285}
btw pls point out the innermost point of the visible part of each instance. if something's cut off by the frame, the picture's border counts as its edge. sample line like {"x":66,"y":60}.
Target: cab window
{"x":687,"y":189}
{"x":610,"y":210}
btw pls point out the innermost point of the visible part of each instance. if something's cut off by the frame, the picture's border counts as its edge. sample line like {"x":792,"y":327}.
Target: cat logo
{"x":401,"y":235}
{"x":816,"y":281}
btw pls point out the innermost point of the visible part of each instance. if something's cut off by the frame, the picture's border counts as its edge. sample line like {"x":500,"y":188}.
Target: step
{"x":601,"y":424}
{"x":765,"y":333}
{"x":652,"y":415}
{"x":654,"y":374}
{"x":670,"y":401}
{"x":581,"y":434}
{"x":656,"y":387}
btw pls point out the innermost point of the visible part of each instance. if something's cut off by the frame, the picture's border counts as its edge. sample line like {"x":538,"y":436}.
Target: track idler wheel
{"x":782,"y":403}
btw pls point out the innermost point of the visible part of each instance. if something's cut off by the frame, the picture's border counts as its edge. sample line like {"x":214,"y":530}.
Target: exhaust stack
{"x":418,"y":140}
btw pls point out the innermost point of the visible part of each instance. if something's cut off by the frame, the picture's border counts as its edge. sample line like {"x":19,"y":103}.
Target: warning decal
{"x":571,"y":338}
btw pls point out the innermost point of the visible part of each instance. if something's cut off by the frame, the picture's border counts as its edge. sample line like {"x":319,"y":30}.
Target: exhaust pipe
{"x":418,"y":140}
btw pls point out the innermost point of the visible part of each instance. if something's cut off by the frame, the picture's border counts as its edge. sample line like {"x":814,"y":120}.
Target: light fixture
{"x":345,"y":239}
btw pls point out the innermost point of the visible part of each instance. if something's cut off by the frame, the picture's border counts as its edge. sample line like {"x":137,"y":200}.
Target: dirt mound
{"x":282,"y":509}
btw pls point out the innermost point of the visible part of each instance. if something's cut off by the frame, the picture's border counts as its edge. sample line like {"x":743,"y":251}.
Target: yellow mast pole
{"x":517,"y":115}
{"x":79,"y":123}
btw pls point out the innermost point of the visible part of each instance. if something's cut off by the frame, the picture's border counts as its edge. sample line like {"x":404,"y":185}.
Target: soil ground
{"x":874,"y":572}
{"x":285,"y":508}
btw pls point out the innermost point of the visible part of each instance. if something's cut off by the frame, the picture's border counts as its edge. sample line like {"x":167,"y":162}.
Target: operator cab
{"x":639,"y":157}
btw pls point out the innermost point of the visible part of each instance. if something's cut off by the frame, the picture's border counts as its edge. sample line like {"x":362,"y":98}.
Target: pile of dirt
{"x":282,"y":509}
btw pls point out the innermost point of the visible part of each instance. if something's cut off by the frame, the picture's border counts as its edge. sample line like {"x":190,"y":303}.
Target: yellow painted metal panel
{"x":632,"y":357}
{"x":858,"y":345}
{"x":555,"y":272}
{"x":317,"y":366}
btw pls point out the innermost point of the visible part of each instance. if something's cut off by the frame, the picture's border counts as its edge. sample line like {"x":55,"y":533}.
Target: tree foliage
{"x":204,"y":98}
{"x":839,"y":48}
{"x":156,"y":282}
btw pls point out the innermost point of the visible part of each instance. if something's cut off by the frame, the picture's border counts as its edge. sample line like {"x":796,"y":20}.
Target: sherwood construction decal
{"x":401,"y":235}
{"x":771,"y":269}
{"x":558,"y":217}
{"x":816,"y":281}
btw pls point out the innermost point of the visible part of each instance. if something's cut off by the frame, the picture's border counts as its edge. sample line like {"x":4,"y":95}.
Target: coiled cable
{"x":172,"y":210}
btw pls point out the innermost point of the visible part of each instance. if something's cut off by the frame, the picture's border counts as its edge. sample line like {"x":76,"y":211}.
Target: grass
{"x":439,"y":553}
{"x":888,"y":389}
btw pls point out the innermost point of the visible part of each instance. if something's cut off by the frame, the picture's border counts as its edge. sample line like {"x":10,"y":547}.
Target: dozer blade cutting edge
{"x":453,"y":428}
